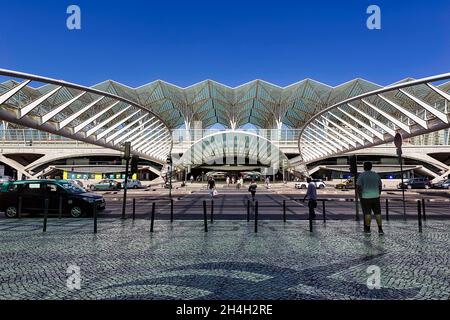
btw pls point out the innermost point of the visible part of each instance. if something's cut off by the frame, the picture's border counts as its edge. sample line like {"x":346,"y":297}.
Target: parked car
{"x":107,"y":184}
{"x":347,"y":184}
{"x":77,"y":182}
{"x":303,"y":184}
{"x":443,"y":184}
{"x":251,"y":175}
{"x":75,"y":201}
{"x":415,"y":183}
{"x":216,"y":175}
{"x":132,"y":184}
{"x":4,"y":179}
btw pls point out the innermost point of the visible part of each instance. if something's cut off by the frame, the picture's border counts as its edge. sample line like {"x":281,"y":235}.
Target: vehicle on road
{"x":443,"y":184}
{"x":217,"y":175}
{"x":415,"y":183}
{"x":77,"y":182}
{"x":30,"y":196}
{"x":251,"y":175}
{"x":304,"y":185}
{"x":132,"y":184}
{"x":4,"y":179}
{"x":107,"y":184}
{"x":347,"y":184}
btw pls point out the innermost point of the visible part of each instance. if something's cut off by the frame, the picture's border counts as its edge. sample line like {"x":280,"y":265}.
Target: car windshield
{"x":72,"y":188}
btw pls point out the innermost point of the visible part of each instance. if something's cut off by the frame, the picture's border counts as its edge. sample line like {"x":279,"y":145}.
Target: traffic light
{"x":134,"y":165}
{"x":353,"y":166}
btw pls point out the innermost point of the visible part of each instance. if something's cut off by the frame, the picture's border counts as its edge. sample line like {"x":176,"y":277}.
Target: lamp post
{"x":398,"y":141}
{"x":126,"y":156}
{"x":169,"y":172}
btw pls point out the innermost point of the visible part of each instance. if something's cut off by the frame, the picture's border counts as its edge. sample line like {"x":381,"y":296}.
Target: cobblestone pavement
{"x":180,"y":261}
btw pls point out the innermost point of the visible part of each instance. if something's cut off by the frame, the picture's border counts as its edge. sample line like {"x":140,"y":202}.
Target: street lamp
{"x":169,"y":172}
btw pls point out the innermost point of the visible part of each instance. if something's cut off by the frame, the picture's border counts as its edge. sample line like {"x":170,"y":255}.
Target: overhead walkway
{"x":410,"y":108}
{"x":84,"y":114}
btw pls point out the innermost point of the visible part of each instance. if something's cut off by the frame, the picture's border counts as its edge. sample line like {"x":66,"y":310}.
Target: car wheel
{"x":76,"y":212}
{"x":321,"y":186}
{"x":11,"y":212}
{"x":303,"y":186}
{"x":92,"y":188}
{"x":135,"y":187}
{"x":427,"y":187}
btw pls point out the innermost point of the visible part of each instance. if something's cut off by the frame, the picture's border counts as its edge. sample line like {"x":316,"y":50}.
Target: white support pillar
{"x":5,"y":96}
{"x":94,"y":117}
{"x":31,"y":106}
{"x":65,"y":122}
{"x":57,"y":110}
{"x":442,"y":116}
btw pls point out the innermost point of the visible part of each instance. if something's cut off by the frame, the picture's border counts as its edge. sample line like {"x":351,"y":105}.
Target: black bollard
{"x":248,"y":210}
{"x":134,"y":208}
{"x":323,"y":212}
{"x":256,"y":216}
{"x":424,"y":216}
{"x":419,"y":215}
{"x":153,"y":217}
{"x":45,"y":215}
{"x":212,"y":211}
{"x":19,"y":214}
{"x":387,"y":209}
{"x":310,"y":221}
{"x":205,"y":219}
{"x":60,"y":204}
{"x":284,"y":210}
{"x":171,"y":210}
{"x":94,"y":208}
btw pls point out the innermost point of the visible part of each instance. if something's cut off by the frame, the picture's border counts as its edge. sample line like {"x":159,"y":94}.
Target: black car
{"x":31,"y":195}
{"x":415,"y":183}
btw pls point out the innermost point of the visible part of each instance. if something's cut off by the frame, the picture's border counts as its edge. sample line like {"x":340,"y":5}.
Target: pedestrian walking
{"x":228,"y":181}
{"x":311,"y":195}
{"x":211,"y":186}
{"x":252,"y":189}
{"x":369,"y":188}
{"x":192,"y":178}
{"x":239,"y":183}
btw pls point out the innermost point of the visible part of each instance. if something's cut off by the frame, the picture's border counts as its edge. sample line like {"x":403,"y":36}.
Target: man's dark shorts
{"x":369,"y":205}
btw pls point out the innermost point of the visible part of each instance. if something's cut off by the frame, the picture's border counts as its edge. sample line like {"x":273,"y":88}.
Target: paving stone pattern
{"x":180,"y":261}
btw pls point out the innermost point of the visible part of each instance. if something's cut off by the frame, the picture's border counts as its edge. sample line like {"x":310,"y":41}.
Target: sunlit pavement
{"x":180,"y":261}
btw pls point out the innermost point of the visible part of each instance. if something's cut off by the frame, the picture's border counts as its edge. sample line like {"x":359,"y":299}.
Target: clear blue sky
{"x":183,"y":42}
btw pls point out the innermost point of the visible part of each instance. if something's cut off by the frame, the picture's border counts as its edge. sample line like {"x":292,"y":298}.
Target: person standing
{"x":192,"y":178}
{"x":267,"y":182}
{"x":228,"y":181}
{"x":211,"y":186}
{"x":369,"y":188}
{"x":311,"y":195}
{"x":252,"y":189}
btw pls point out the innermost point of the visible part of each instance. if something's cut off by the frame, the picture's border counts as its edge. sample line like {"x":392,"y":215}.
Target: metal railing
{"x":181,"y":137}
{"x":31,"y":137}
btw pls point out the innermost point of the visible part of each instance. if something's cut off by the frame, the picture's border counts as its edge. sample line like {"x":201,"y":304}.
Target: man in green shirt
{"x":369,"y":189}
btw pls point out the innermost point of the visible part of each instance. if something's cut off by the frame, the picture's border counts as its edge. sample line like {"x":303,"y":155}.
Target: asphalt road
{"x":232,"y":204}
